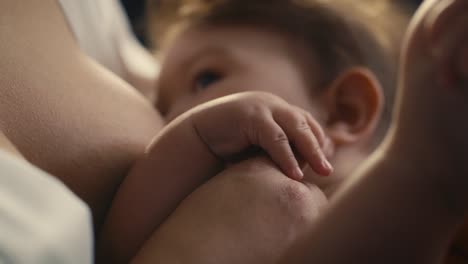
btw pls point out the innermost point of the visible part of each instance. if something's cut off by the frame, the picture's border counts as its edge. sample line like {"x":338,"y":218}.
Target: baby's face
{"x":202,"y":64}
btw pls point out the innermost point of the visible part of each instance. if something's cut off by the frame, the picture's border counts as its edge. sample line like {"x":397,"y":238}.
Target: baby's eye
{"x":205,"y":79}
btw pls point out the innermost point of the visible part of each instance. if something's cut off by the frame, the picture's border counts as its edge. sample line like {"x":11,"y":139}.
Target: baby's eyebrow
{"x":208,"y":51}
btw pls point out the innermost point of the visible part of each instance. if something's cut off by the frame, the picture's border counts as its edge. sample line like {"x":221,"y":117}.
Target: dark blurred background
{"x":136,"y":10}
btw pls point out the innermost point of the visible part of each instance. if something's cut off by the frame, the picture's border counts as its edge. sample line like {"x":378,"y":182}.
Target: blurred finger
{"x":441,"y":15}
{"x":450,"y":51}
{"x":447,"y":25}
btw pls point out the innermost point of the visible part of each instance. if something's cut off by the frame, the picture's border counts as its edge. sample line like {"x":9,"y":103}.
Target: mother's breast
{"x":65,"y":113}
{"x":250,"y":213}
{"x":79,"y":123}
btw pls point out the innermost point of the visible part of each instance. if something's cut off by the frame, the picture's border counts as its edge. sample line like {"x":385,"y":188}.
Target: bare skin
{"x":195,"y":147}
{"x":78,"y":161}
{"x":429,"y":201}
{"x":253,"y":191}
{"x":67,"y":118}
{"x":407,"y":202}
{"x":205,"y":63}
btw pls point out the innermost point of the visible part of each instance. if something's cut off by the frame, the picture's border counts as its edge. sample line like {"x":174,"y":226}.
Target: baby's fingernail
{"x":326,"y":165}
{"x":298,"y":174}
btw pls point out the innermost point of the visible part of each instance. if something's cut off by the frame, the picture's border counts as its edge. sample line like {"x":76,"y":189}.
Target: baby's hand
{"x":231,"y":124}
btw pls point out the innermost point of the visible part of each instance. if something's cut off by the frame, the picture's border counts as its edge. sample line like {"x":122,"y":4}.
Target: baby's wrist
{"x":202,"y":132}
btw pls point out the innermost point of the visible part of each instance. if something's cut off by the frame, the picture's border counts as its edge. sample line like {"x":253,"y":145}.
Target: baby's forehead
{"x":249,"y":42}
{"x":231,"y":37}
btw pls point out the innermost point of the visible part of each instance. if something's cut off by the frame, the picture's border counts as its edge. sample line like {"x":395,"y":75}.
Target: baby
{"x":236,"y":80}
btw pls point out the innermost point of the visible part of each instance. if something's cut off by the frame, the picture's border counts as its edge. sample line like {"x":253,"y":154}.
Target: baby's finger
{"x":300,"y":133}
{"x":315,"y":127}
{"x":275,"y":142}
{"x":446,"y":26}
{"x":325,"y":142}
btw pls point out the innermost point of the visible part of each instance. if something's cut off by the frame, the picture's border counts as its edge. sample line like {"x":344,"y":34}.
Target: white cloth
{"x":102,"y":31}
{"x":41,"y":221}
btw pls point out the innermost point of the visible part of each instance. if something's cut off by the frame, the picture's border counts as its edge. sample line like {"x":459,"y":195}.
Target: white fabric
{"x":41,"y":221}
{"x":102,"y":31}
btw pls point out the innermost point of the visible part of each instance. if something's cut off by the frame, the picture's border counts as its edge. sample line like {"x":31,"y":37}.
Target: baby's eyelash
{"x":206,"y":78}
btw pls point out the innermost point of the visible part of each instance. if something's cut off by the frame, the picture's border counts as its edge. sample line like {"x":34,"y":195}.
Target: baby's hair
{"x":340,"y":33}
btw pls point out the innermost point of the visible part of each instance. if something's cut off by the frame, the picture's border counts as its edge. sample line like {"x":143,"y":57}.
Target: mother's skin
{"x":250,"y":213}
{"x":69,"y":116}
{"x":65,"y":113}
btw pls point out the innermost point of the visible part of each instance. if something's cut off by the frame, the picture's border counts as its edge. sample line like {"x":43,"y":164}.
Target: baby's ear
{"x":355,"y":102}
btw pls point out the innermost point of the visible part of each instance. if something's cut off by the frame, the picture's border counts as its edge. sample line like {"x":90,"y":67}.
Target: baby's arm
{"x":193,"y":148}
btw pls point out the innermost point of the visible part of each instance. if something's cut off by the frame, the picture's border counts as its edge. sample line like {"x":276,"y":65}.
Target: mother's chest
{"x":87,"y":137}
